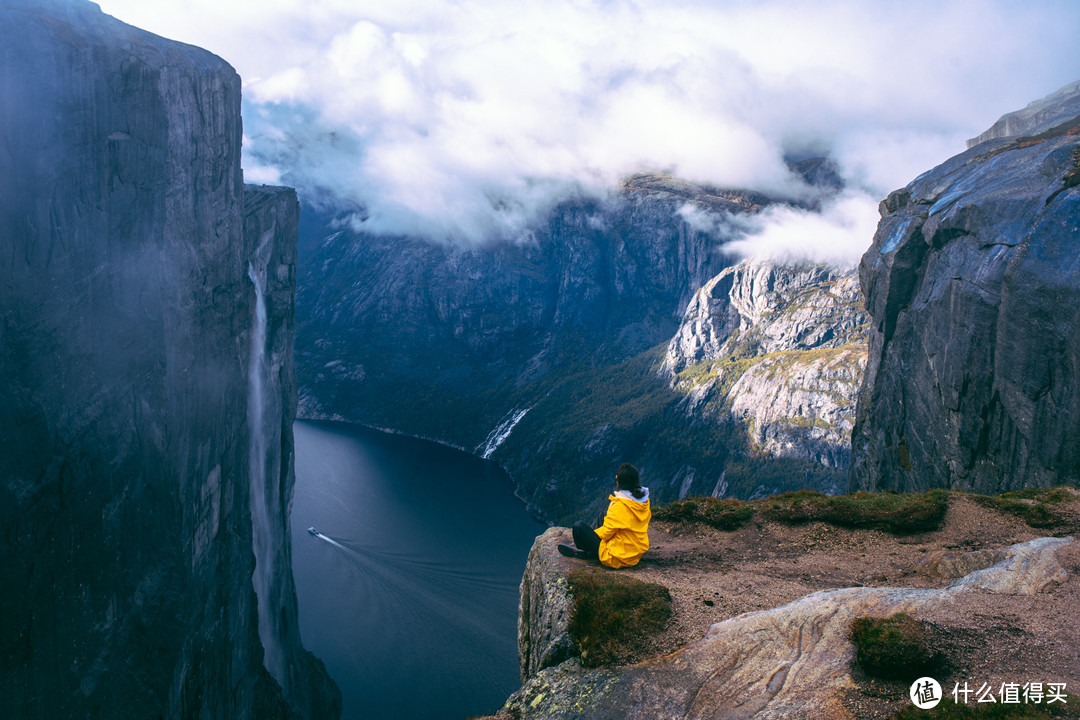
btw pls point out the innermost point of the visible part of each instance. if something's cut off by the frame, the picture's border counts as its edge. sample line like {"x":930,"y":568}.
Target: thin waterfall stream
{"x":261,"y":527}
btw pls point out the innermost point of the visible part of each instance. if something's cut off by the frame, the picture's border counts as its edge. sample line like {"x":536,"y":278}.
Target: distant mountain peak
{"x":1039,"y":116}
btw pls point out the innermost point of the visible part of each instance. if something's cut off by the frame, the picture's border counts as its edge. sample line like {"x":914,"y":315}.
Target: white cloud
{"x":464,"y":119}
{"x":837,"y":235}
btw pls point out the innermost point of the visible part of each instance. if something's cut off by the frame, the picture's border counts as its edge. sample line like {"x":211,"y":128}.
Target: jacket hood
{"x":629,"y":495}
{"x":638,"y":507}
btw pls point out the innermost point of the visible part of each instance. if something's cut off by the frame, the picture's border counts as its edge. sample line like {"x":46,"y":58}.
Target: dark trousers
{"x":585,"y":538}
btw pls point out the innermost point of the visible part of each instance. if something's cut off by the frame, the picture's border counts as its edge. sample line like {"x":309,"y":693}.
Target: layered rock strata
{"x":126,"y":321}
{"x":973,"y":285}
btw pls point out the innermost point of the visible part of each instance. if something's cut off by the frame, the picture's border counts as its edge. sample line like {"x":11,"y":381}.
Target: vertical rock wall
{"x":973,"y":285}
{"x":780,"y":348}
{"x":125,"y":320}
{"x":271,"y":217}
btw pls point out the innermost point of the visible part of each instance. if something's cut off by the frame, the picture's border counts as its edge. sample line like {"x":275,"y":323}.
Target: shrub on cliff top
{"x":612,"y":613}
{"x":897,"y":513}
{"x":894,"y":647}
{"x":1035,"y":506}
{"x":722,"y":514}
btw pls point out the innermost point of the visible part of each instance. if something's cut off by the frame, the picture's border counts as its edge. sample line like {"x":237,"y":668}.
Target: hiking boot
{"x":571,"y":551}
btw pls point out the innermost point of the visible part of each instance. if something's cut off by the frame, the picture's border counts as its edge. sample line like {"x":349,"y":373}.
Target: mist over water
{"x":409,"y":593}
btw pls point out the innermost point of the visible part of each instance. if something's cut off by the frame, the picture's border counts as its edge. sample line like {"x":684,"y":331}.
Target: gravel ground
{"x":714,"y":575}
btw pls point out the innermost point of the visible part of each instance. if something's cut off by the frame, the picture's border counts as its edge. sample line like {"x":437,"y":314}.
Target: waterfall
{"x":502,"y":431}
{"x":262,"y":525}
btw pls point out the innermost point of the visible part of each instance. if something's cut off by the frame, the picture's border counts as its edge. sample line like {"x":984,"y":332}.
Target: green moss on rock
{"x":896,"y":647}
{"x":896,"y":513}
{"x":1035,"y":506}
{"x":722,"y":514}
{"x":613,"y":613}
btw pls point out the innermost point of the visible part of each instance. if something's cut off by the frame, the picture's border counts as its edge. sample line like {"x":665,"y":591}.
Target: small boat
{"x":313,"y":531}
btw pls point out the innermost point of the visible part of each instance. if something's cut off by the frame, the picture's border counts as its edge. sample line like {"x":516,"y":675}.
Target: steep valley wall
{"x":973,"y":285}
{"x":126,"y":320}
{"x":544,"y":352}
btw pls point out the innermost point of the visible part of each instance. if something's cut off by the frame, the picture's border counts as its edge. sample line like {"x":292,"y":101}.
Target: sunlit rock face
{"x":778,"y":347}
{"x":126,"y":313}
{"x":973,"y":284}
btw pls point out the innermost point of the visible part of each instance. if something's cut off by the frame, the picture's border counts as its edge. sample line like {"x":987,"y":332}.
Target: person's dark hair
{"x":628,"y":478}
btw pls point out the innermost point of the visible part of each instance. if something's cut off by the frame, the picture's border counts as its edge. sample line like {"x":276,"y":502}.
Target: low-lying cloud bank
{"x":465,"y":120}
{"x":838,"y":234}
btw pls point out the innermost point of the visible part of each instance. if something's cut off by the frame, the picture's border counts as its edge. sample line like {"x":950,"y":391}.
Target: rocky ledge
{"x":762,"y":617}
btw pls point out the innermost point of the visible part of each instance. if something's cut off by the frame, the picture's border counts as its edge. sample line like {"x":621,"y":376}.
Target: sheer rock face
{"x":781,"y":349}
{"x":544,"y":605}
{"x":599,"y":278}
{"x":780,"y":663}
{"x":125,"y":338}
{"x":973,"y":285}
{"x":271,"y":217}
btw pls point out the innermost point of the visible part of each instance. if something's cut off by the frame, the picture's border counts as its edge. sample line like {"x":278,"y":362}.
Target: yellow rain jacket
{"x":624,"y":535}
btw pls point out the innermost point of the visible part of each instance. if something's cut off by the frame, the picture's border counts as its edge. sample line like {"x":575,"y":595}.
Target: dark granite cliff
{"x":128,"y":342}
{"x":973,"y":285}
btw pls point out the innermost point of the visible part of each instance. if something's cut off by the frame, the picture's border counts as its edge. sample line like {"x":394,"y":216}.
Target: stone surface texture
{"x":126,"y":315}
{"x":779,"y":348}
{"x":544,"y":606}
{"x":792,"y":661}
{"x":973,"y":285}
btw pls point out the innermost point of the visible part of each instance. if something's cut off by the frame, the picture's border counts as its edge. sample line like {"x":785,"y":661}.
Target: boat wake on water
{"x":396,"y":579}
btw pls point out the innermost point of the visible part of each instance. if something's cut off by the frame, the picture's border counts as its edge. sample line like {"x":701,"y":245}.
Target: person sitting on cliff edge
{"x":624,"y":536}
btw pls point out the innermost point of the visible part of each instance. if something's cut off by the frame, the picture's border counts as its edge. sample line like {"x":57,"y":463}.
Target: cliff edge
{"x":762,"y":616}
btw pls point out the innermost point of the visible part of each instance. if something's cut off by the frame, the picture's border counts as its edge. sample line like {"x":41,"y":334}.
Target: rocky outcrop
{"x":1039,"y":116}
{"x":127,"y":336}
{"x":777,"y":663}
{"x":544,"y":605}
{"x":973,"y":285}
{"x":779,"y":348}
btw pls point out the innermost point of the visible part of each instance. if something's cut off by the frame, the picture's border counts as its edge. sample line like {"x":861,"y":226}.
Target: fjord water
{"x":410,"y":597}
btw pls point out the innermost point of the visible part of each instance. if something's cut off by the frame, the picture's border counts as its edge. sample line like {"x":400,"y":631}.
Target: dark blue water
{"x":411,"y":597}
